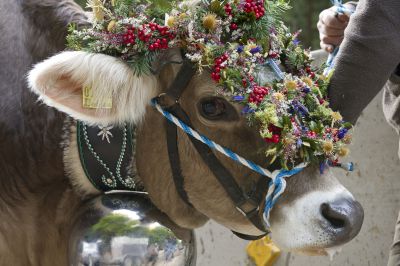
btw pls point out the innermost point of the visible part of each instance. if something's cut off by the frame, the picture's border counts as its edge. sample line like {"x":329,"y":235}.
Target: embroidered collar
{"x":107,"y":156}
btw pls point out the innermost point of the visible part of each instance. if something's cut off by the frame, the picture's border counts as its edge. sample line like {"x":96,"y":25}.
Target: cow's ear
{"x":94,"y":88}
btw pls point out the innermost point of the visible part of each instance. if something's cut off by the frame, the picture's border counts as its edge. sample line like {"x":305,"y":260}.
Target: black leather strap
{"x":168,"y":101}
{"x":248,"y":205}
{"x":249,"y":237}
{"x":175,"y":162}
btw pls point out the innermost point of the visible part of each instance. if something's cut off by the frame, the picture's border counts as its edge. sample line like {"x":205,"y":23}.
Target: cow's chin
{"x":300,"y":226}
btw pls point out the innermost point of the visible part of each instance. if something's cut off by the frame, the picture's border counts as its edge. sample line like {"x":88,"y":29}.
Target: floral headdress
{"x":236,"y":40}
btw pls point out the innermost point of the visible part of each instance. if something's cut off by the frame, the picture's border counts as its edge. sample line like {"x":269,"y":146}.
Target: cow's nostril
{"x":343,"y":218}
{"x":333,"y":216}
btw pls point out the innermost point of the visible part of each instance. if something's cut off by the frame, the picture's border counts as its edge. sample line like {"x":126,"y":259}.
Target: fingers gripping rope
{"x":277,"y":184}
{"x":340,"y":9}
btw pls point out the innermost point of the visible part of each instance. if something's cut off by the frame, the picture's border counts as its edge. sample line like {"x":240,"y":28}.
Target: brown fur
{"x":203,"y":188}
{"x":36,"y":199}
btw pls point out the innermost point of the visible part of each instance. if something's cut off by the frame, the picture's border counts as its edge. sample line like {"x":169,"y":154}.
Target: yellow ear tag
{"x":90,"y":103}
{"x":263,"y":252}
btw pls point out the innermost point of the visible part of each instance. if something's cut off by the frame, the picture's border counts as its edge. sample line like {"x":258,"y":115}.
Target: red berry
{"x":258,"y":94}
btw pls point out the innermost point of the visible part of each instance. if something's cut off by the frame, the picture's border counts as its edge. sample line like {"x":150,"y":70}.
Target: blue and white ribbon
{"x":340,"y":9}
{"x":275,"y":68}
{"x":277,"y":184}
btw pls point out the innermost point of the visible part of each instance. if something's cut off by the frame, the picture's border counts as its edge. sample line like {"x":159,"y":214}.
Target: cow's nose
{"x":344,"y":218}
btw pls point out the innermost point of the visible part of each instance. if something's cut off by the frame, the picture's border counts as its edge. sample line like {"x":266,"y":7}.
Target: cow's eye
{"x":215,"y":108}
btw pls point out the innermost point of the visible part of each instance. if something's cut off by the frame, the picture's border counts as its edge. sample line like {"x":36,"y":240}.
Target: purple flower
{"x":306,"y":90}
{"x":299,"y":143}
{"x":322,"y":167}
{"x":238,"y":98}
{"x":296,"y":42}
{"x":248,"y":110}
{"x":240,"y":49}
{"x":255,"y":50}
{"x":304,"y":129}
{"x":298,"y":107}
{"x":342,"y":133}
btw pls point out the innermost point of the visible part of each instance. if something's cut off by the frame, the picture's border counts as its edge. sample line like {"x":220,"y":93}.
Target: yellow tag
{"x":90,"y":103}
{"x":263,"y":252}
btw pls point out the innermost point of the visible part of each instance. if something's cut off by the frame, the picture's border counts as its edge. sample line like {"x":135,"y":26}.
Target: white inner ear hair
{"x":55,"y":78}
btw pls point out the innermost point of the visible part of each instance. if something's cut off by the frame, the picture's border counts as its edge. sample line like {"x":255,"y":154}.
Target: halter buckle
{"x":167,"y":101}
{"x":248,"y":207}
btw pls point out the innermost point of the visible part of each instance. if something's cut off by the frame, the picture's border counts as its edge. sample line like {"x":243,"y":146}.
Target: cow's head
{"x":315,"y":213}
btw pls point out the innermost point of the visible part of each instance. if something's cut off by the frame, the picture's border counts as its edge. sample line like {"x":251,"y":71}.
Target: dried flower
{"x":347,"y":139}
{"x":337,"y":116}
{"x":111,"y":25}
{"x":278,"y":96}
{"x":327,"y":146}
{"x":170,"y":22}
{"x":343,"y":152}
{"x":307,"y":81}
{"x":97,"y":7}
{"x":290,"y":85}
{"x":210,"y":22}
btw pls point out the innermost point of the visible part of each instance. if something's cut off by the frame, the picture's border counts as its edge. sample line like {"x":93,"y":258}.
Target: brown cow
{"x":38,"y":199}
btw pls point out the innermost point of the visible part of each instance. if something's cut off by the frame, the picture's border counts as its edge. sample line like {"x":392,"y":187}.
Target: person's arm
{"x":368,"y":56}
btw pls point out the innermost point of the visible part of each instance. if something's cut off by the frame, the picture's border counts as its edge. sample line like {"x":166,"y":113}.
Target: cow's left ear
{"x":94,"y":88}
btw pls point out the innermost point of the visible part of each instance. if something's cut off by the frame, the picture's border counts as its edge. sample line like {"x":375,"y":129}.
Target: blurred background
{"x":303,"y":15}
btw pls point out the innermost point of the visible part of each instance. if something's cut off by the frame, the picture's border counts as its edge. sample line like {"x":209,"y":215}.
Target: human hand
{"x":331,"y":26}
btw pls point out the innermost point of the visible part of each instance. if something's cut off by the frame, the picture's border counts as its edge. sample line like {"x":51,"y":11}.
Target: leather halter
{"x":247,"y":204}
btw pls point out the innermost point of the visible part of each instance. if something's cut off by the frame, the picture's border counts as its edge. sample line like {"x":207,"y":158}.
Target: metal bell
{"x":125,"y":228}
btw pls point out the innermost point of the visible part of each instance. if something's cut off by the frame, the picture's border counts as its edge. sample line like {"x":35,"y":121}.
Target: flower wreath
{"x":235,"y":39}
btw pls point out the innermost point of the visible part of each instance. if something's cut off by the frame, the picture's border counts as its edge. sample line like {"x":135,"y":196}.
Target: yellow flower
{"x":307,"y":81}
{"x":271,"y":152}
{"x":267,"y":116}
{"x":210,"y":22}
{"x":97,"y":8}
{"x":327,"y":146}
{"x":265,"y":133}
{"x":347,"y":139}
{"x":287,"y":141}
{"x":279,"y":96}
{"x":336,"y":116}
{"x":182,"y":15}
{"x":290,"y":85}
{"x":171,"y":21}
{"x":215,"y":5}
{"x":343,"y":152}
{"x":111,"y":25}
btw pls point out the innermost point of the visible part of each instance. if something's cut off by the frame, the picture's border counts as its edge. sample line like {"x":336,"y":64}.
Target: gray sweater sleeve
{"x":368,"y":56}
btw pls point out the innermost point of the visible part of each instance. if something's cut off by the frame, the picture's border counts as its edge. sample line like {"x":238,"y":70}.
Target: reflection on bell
{"x":125,"y":228}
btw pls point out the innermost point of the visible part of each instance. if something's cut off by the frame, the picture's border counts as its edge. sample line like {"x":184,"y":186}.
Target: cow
{"x":42,"y":181}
